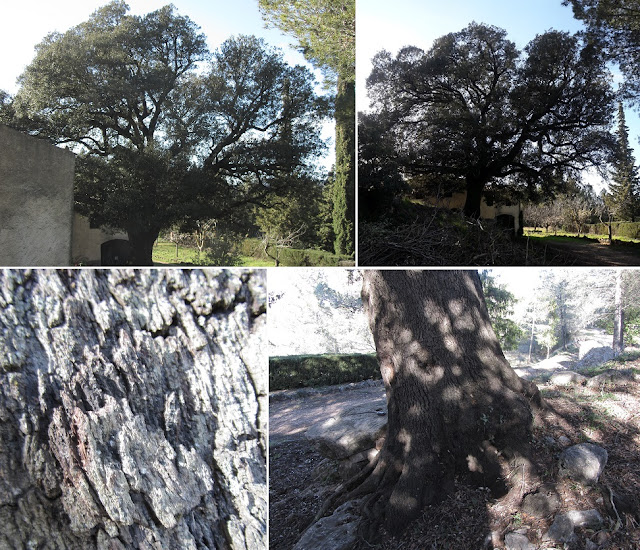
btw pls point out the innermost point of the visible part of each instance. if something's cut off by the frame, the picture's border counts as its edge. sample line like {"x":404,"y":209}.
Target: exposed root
{"x":343,"y":489}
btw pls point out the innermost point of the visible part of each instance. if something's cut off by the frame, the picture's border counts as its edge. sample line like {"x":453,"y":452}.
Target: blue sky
{"x":25,"y":23}
{"x":390,"y":26}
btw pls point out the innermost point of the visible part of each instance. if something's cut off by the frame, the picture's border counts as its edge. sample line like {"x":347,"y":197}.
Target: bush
{"x":221,"y":249}
{"x":300,"y":371}
{"x":619,"y":229}
{"x":253,"y":247}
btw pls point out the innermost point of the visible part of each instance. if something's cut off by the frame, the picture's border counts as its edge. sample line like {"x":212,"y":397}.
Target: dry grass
{"x":432,"y":237}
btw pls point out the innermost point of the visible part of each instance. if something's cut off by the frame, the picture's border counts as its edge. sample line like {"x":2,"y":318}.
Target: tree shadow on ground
{"x":469,"y":518}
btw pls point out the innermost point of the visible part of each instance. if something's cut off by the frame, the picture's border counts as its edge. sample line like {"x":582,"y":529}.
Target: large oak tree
{"x":475,"y":111}
{"x":456,"y":409}
{"x":161,"y":143}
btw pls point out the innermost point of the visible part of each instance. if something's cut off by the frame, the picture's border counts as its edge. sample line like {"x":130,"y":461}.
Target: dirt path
{"x":290,"y":413}
{"x":589,"y":252}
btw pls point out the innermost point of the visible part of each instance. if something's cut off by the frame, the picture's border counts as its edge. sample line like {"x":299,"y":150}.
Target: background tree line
{"x":564,"y":303}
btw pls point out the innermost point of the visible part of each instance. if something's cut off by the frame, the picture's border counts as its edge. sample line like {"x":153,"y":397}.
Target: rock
{"x":349,"y":433}
{"x":584,"y":462}
{"x":517,"y":541}
{"x":611,"y":377}
{"x":564,"y":524}
{"x":564,"y":440}
{"x":592,"y":352}
{"x":567,"y":378}
{"x":335,"y":532}
{"x":133,"y":409}
{"x":542,"y":503}
{"x":561,"y":530}
{"x":585,"y":518}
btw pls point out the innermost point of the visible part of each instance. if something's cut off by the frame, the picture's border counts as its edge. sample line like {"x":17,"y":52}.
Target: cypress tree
{"x":325,"y":30}
{"x":623,"y":188}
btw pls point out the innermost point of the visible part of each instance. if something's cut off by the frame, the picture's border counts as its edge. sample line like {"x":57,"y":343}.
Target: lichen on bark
{"x":133,"y":408}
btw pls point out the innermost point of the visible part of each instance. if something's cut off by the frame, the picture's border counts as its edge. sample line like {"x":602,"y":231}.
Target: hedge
{"x":299,"y":371}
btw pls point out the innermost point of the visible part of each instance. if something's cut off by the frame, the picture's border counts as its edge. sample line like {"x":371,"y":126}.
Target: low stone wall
{"x":36,"y":201}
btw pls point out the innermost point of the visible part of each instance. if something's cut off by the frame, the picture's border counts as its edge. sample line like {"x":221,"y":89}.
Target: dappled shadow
{"x":608,"y":418}
{"x":456,"y":410}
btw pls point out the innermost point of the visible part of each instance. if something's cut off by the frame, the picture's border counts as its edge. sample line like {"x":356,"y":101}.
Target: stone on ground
{"x":584,"y":462}
{"x":351,"y":432}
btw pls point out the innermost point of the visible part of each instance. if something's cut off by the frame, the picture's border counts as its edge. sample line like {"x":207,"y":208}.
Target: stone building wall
{"x":487,"y":212}
{"x":36,"y":201}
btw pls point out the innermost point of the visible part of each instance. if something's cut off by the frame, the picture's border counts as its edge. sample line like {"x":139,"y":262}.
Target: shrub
{"x":299,"y":371}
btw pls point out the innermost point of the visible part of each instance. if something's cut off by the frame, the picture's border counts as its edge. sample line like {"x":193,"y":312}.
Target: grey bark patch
{"x":134,"y":413}
{"x":584,"y":462}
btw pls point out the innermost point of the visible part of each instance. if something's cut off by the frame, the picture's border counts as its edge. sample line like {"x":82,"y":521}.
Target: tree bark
{"x":474,"y":198}
{"x":456,"y":409}
{"x":618,"y":321}
{"x":132,"y":409}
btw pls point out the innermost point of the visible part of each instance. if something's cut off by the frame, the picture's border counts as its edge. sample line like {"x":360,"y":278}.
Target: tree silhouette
{"x":473,"y":111}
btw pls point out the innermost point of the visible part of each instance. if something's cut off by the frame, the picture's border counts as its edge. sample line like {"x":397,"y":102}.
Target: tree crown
{"x":475,"y":108}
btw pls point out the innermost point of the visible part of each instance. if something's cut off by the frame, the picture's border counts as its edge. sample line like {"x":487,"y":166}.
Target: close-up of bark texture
{"x":133,"y":408}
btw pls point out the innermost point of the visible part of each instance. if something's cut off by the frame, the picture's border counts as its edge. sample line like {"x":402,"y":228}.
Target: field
{"x":251,"y":255}
{"x":564,"y":235}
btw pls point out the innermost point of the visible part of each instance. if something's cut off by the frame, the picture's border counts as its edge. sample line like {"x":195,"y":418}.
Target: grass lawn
{"x":164,"y":253}
{"x":563,"y":236}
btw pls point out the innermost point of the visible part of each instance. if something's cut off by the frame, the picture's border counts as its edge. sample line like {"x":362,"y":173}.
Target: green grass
{"x":165,"y":253}
{"x":565,"y":236}
{"x":251,"y":255}
{"x":300,"y":371}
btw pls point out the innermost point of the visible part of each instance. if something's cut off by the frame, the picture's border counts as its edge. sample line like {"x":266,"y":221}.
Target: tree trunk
{"x":142,"y":246}
{"x":618,"y":321}
{"x":533,"y":329}
{"x":456,"y":409}
{"x":132,"y":409}
{"x":474,"y":198}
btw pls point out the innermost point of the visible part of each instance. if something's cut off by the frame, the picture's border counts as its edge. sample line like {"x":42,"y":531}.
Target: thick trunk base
{"x":457,"y":412}
{"x":142,"y":247}
{"x":473,"y":200}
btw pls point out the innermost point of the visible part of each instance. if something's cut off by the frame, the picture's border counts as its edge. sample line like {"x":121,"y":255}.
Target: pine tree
{"x":624,"y":193}
{"x":325,"y":30}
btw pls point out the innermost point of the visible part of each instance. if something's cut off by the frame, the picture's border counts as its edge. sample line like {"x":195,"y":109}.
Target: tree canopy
{"x":325,"y":29}
{"x":624,"y":186}
{"x":474,"y":111}
{"x":161,"y":143}
{"x":615,"y":24}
